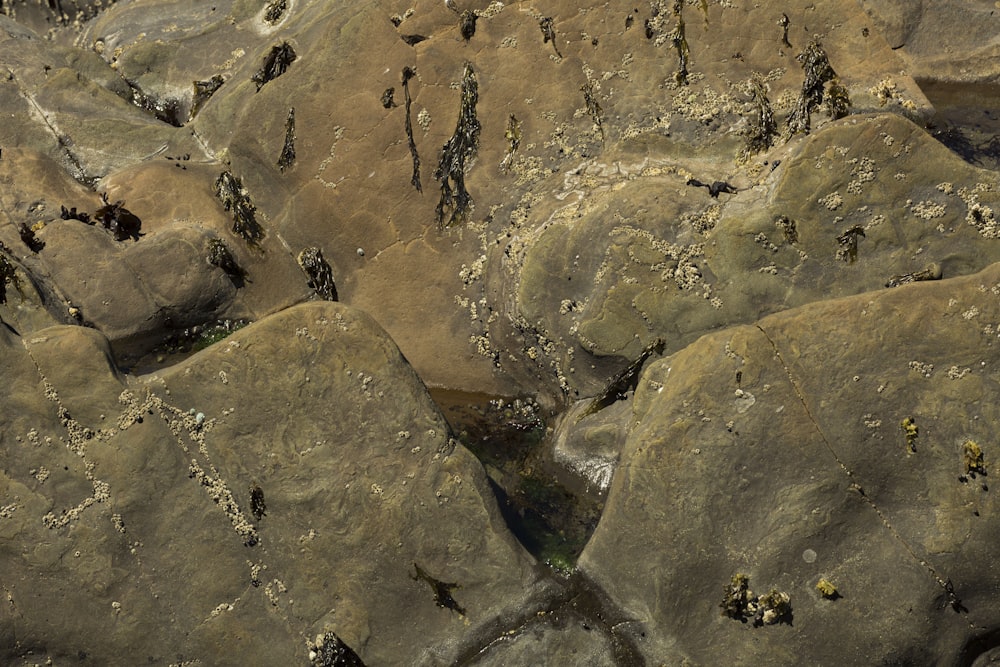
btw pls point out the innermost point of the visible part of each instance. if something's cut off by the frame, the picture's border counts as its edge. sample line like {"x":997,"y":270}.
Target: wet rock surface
{"x":719,"y":274}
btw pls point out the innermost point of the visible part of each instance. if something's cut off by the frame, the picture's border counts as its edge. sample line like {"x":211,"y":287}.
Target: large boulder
{"x":835,"y":441}
{"x":291,"y":481}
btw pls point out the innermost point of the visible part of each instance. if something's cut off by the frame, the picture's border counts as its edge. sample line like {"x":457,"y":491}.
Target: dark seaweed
{"x":408,"y":74}
{"x":593,"y":107}
{"x":932,"y":272}
{"x":257,"y":506}
{"x":275,"y":11}
{"x":221,"y":256}
{"x":714,"y":188}
{"x":72,"y":214}
{"x":319,"y":272}
{"x":413,"y":40}
{"x":235,"y":198}
{"x":625,"y":381}
{"x":818,"y":71}
{"x":442,"y":590}
{"x":848,"y":243}
{"x":386,"y":99}
{"x":203,"y":90}
{"x":335,"y":653}
{"x":763,"y":129}
{"x":167,"y":110}
{"x":679,"y":41}
{"x":287,"y":157}
{"x":513,"y":136}
{"x":549,"y":33}
{"x":8,"y":274}
{"x":28,"y":236}
{"x":838,"y":101}
{"x":276,"y":63}
{"x":467,"y":24}
{"x":122,"y":223}
{"x":737,"y":599}
{"x":456,"y":153}
{"x":783,"y":22}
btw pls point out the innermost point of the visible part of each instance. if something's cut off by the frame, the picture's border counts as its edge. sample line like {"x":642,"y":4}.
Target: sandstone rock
{"x":798,"y":469}
{"x":109,"y":512}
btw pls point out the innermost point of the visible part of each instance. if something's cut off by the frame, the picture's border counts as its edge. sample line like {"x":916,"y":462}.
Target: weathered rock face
{"x":779,"y":451}
{"x":634,"y":258}
{"x":131,"y":508}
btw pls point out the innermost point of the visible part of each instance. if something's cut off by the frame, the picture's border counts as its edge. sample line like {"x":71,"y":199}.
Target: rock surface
{"x":645,"y":184}
{"x":128,"y":504}
{"x":776,"y":450}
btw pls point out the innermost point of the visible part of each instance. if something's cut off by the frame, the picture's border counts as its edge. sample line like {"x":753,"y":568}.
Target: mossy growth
{"x":973,"y":459}
{"x":818,"y":71}
{"x":762,"y":129}
{"x":456,"y":202}
{"x":827,"y":590}
{"x":911,"y":431}
{"x":235,"y":198}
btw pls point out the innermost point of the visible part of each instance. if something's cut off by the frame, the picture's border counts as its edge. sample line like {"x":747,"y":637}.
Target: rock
{"x":109,"y":515}
{"x":798,"y":469}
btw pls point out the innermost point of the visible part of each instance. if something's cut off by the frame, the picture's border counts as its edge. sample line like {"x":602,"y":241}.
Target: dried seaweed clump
{"x":818,"y":71}
{"x":8,"y":274}
{"x":276,"y":63}
{"x":593,"y":106}
{"x":549,"y":33}
{"x":221,"y":256}
{"x":624,"y":382}
{"x":742,"y":605}
{"x":838,"y":102}
{"x":275,"y":11}
{"x":319,"y":272}
{"x":287,"y":156}
{"x":763,"y":129}
{"x":456,"y":154}
{"x":235,"y":198}
{"x":408,"y":74}
{"x":679,"y":41}
{"x":467,"y":24}
{"x":442,"y":590}
{"x":973,"y":459}
{"x":847,"y":244}
{"x":513,"y":136}
{"x":330,"y":651}
{"x":122,"y":223}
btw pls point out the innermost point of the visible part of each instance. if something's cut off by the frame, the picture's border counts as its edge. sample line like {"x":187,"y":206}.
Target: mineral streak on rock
{"x":276,"y":63}
{"x":235,"y":198}
{"x":408,"y":74}
{"x":320,"y":274}
{"x":287,"y":157}
{"x":456,"y":153}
